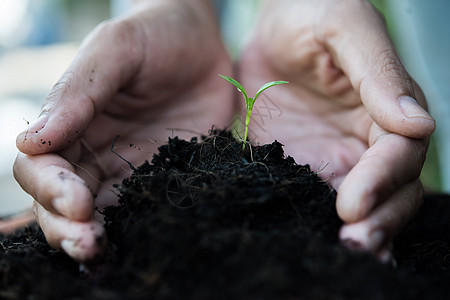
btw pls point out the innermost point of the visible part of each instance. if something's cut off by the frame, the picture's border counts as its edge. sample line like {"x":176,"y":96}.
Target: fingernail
{"x":412,"y":109}
{"x":376,"y":240}
{"x":354,"y":237}
{"x":39,"y":123}
{"x":352,"y":244}
{"x":35,"y":126}
{"x":70,"y":247}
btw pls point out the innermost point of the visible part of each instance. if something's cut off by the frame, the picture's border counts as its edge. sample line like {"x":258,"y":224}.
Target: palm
{"x":320,"y":121}
{"x":184,"y":94}
{"x":146,"y":130}
{"x":154,"y":69}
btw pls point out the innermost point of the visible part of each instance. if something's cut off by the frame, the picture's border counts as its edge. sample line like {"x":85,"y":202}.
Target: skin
{"x":350,"y":110}
{"x":154,"y":69}
{"x":157,"y":68}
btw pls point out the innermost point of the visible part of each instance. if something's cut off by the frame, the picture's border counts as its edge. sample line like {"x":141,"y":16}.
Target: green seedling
{"x":249,"y":102}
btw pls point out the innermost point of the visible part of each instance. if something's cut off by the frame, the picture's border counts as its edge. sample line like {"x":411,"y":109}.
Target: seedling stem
{"x":249,"y":102}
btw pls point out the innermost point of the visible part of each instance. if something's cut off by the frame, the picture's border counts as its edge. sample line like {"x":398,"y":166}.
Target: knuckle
{"x":115,"y":39}
{"x":116,"y":31}
{"x":390,"y":66}
{"x":59,"y":90}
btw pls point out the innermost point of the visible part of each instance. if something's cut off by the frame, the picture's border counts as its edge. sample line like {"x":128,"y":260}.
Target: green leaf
{"x":250,"y":101}
{"x":268,"y":85}
{"x":239,"y":87}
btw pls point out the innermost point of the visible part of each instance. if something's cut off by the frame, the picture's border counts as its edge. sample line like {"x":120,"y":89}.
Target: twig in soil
{"x":120,"y":156}
{"x":193,"y":190}
{"x":321,"y":169}
{"x":192,"y":158}
{"x":214,"y":174}
{"x":267,"y":154}
{"x":436,"y":248}
{"x":213,"y":138}
{"x":265,"y":166}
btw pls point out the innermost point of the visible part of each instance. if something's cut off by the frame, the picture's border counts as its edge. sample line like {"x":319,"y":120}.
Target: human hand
{"x":137,"y":76}
{"x":349,"y":110}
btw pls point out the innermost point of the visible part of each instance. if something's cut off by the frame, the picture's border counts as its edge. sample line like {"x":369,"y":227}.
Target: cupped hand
{"x":351,"y":110}
{"x":137,"y":77}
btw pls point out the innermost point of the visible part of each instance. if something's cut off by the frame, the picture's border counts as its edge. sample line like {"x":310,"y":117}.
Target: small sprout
{"x":248,"y":100}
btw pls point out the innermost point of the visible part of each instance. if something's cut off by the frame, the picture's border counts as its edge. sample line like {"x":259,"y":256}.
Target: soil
{"x":208,"y":220}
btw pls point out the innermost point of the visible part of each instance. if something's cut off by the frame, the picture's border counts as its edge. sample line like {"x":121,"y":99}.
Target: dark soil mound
{"x":207,"y":220}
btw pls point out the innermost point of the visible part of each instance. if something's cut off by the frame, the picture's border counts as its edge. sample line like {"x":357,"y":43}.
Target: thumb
{"x":102,"y":65}
{"x":366,"y":55}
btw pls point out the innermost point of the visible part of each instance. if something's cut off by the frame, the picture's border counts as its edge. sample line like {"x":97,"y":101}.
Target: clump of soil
{"x":207,"y":220}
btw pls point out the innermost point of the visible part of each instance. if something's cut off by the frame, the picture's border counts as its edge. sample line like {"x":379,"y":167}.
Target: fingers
{"x":376,"y":231}
{"x":51,"y":180}
{"x":83,"y":241}
{"x":102,"y":66}
{"x":392,"y":161}
{"x":382,"y":192}
{"x":65,"y":208}
{"x":366,"y":55}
